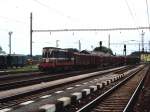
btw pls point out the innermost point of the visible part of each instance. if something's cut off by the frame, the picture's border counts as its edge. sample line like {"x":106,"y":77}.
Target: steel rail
{"x":133,"y":97}
{"x":14,"y":93}
{"x":32,"y":79}
{"x":102,"y":96}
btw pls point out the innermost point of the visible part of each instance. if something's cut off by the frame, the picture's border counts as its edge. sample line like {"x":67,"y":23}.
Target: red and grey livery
{"x":57,"y":58}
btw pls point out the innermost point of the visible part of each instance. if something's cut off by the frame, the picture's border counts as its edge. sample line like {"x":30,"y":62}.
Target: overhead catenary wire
{"x":147,"y":13}
{"x":131,"y":13}
{"x":13,"y":20}
{"x":102,"y":29}
{"x":57,"y":11}
{"x":2,"y":29}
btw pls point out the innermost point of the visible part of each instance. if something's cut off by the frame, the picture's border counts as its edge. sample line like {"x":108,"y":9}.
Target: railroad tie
{"x":75,"y":97}
{"x":104,"y":83}
{"x":6,"y":110}
{"x":85,"y":92}
{"x":66,"y":100}
{"x":94,"y":88}
{"x":99,"y":85}
{"x":47,"y":108}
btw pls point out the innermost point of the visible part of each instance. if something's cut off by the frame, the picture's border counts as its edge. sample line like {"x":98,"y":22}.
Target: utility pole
{"x":109,"y":41}
{"x":57,"y":45}
{"x":139,"y":46}
{"x":31,"y":34}
{"x":79,"y":45}
{"x":10,"y":33}
{"x":142,"y":37}
{"x":149,"y":46}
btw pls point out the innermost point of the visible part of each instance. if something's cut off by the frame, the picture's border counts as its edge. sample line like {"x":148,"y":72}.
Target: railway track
{"x":24,"y":98}
{"x":20,"y":80}
{"x":16,"y":96}
{"x":143,"y":101}
{"x":16,"y":74}
{"x":119,"y":98}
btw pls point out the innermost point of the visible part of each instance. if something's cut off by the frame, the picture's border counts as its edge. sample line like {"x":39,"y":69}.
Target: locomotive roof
{"x":60,"y":49}
{"x":57,"y":49}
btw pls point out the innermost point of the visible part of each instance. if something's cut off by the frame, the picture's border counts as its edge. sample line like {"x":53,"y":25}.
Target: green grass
{"x":25,"y":69}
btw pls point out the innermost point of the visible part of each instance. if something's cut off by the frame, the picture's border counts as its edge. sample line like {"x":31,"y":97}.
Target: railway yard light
{"x":10,"y":33}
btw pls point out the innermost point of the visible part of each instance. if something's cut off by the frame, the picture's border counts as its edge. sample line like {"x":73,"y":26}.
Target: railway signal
{"x":100,"y":43}
{"x":124,"y":49}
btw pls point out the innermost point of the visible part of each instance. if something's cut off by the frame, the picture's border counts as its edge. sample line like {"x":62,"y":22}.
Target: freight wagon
{"x":9,"y":61}
{"x":56,"y":58}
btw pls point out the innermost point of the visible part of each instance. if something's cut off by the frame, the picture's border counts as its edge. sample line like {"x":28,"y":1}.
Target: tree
{"x":136,"y":53}
{"x":1,"y":51}
{"x":103,"y":49}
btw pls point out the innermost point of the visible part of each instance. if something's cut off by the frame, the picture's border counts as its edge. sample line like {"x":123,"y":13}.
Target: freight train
{"x":57,"y":58}
{"x":9,"y":61}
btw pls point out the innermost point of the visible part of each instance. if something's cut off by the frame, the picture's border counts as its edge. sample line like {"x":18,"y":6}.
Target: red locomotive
{"x":57,"y":58}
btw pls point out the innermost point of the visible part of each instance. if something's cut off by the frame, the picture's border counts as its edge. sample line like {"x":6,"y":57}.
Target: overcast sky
{"x":65,"y":14}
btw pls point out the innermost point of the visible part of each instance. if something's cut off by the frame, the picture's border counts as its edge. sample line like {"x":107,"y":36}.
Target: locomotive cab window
{"x":53,"y":54}
{"x":45,"y":54}
{"x":61,"y":54}
{"x":49,"y":54}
